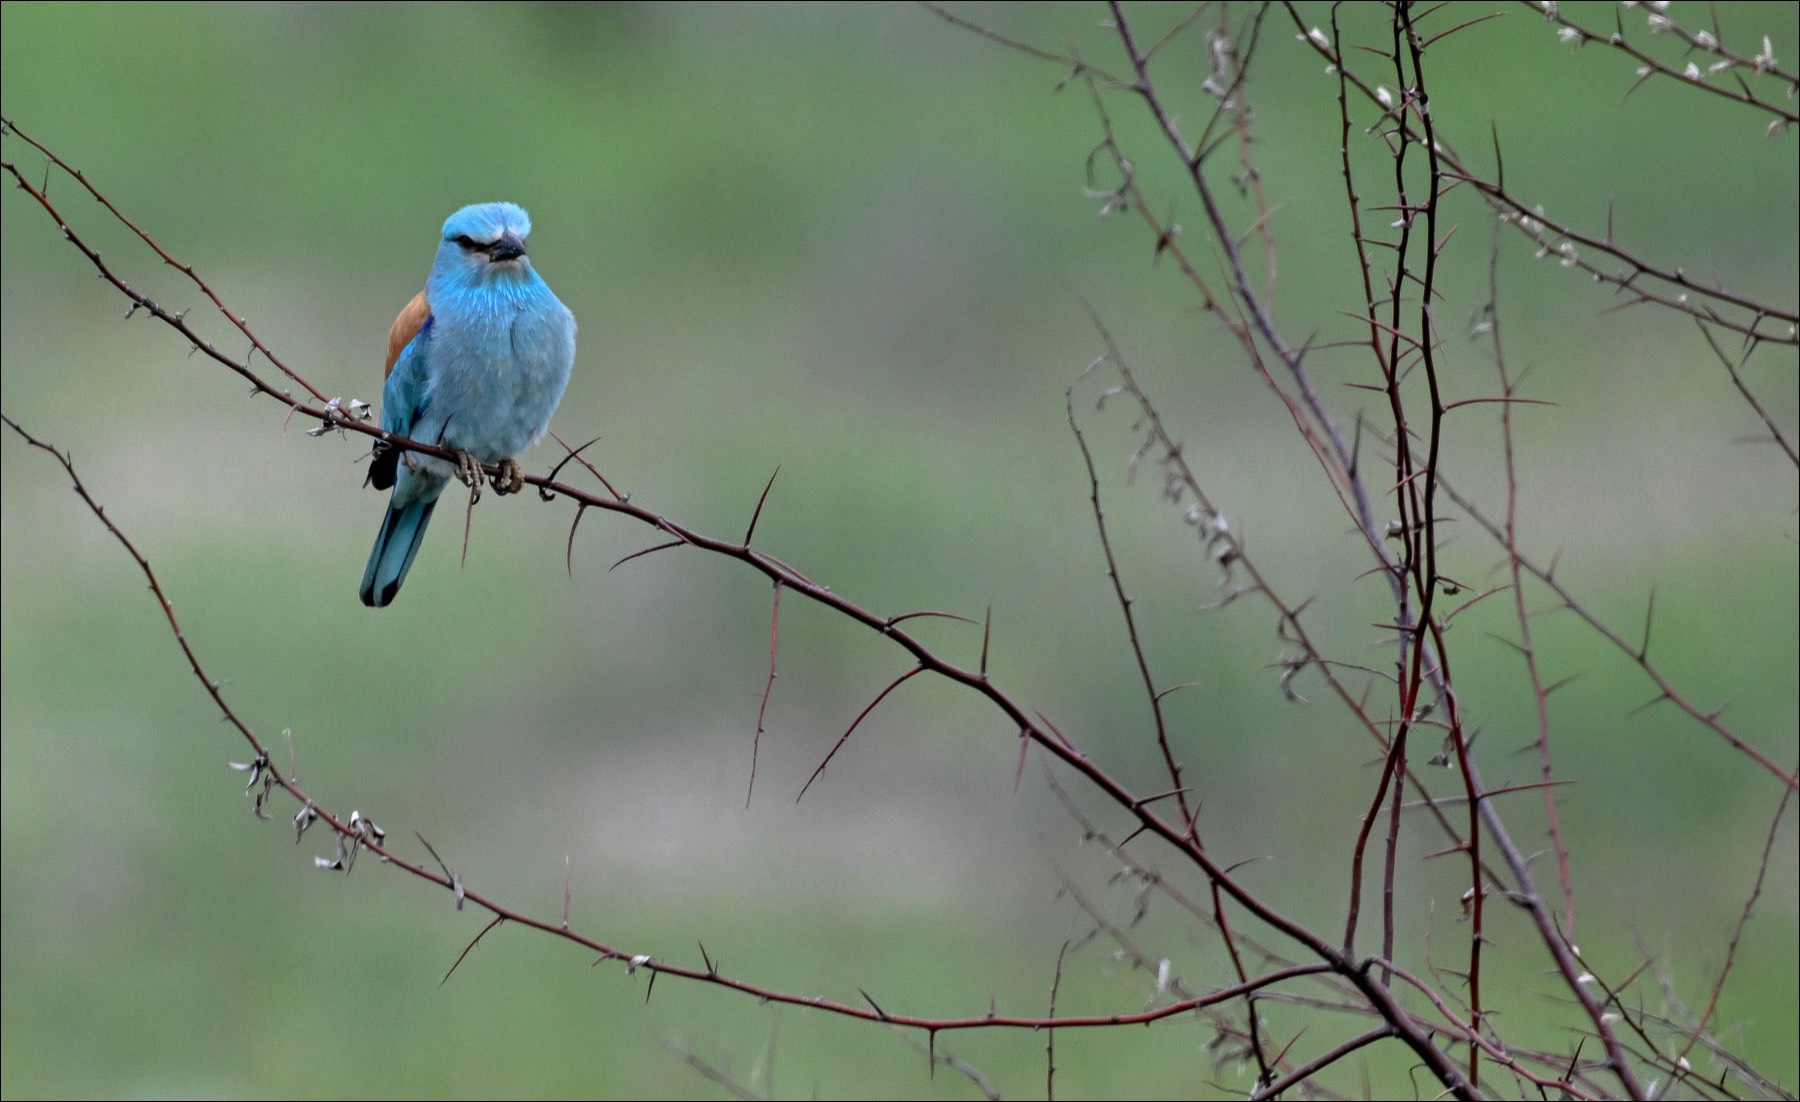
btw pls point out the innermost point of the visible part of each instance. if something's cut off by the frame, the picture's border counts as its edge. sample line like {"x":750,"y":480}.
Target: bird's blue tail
{"x":401,"y":531}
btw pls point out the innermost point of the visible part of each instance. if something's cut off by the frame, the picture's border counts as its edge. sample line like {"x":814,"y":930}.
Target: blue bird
{"x":476,"y":364}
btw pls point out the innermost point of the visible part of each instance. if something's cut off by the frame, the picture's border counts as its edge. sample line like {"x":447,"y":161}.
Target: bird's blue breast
{"x":498,"y":362}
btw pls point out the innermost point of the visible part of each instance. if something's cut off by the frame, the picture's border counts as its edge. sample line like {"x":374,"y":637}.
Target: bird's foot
{"x":468,"y":469}
{"x":511,"y":479}
{"x":468,"y":472}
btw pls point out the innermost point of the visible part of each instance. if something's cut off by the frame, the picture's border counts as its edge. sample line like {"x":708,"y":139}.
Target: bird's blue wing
{"x":403,"y":393}
{"x":409,"y":510}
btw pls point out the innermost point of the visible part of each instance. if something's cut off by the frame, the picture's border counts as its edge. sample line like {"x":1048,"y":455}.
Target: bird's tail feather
{"x":401,"y":532}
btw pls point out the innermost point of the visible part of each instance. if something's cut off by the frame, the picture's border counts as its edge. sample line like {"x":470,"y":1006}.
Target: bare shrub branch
{"x":1307,"y":997}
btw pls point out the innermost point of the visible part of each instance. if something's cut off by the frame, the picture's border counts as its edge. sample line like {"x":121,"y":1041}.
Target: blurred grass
{"x":850,"y":242}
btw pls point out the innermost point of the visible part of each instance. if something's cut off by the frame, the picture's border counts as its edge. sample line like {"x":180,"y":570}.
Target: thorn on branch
{"x":451,"y":875}
{"x":987,"y":624}
{"x":880,"y":1013}
{"x":575,"y":455}
{"x":757,"y":513}
{"x":862,"y":715}
{"x":581,"y":509}
{"x":648,"y":551}
{"x":470,"y":947}
{"x":762,"y":709}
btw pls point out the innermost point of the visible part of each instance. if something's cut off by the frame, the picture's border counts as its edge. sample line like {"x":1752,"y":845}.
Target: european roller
{"x":476,"y":364}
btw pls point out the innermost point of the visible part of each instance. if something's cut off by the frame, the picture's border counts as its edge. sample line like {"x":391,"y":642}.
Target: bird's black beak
{"x":510,"y":247}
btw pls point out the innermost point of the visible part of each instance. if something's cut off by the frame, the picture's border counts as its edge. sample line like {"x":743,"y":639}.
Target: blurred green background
{"x":852,"y":242}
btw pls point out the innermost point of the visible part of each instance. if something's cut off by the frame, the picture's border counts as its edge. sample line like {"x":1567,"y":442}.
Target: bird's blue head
{"x":482,"y":241}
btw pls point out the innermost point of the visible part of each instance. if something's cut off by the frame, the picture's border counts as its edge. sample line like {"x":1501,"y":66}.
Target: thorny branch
{"x":357,"y":834}
{"x":1399,"y":299}
{"x":1405,"y":351}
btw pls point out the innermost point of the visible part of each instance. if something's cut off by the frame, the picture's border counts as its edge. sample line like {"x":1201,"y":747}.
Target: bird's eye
{"x":468,"y":243}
